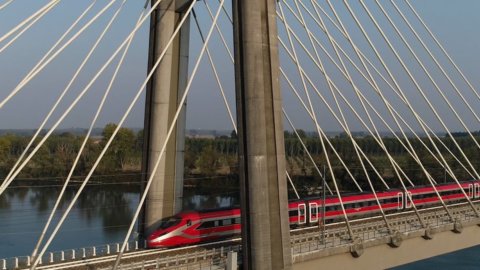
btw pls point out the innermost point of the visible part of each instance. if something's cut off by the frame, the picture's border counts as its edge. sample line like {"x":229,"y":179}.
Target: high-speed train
{"x":202,"y":226}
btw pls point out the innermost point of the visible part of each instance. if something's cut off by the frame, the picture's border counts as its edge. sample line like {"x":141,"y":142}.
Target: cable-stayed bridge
{"x":374,"y":66}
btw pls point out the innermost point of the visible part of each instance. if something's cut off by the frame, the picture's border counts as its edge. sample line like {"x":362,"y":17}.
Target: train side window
{"x":400,"y":200}
{"x":470,"y":191}
{"x":408,"y":200}
{"x":477,"y":190}
{"x":302,"y":215}
{"x":207,"y":225}
{"x":227,"y":222}
{"x":313,"y":208}
{"x":237,"y":220}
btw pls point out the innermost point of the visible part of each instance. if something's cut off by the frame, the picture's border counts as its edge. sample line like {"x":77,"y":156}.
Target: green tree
{"x":122,"y":148}
{"x":207,"y":161}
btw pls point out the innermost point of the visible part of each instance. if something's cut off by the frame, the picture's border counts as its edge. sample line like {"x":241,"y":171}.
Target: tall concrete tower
{"x":264,"y":198}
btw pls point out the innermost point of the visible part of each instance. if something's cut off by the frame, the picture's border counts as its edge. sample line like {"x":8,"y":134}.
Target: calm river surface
{"x":103,"y":214}
{"x":100,"y":216}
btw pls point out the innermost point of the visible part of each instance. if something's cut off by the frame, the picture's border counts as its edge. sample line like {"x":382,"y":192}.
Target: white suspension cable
{"x":214,"y":69}
{"x":33,"y":73}
{"x":321,"y":96}
{"x":21,"y":24}
{"x":426,"y":172}
{"x":437,"y":87}
{"x":223,"y":91}
{"x":306,"y":151}
{"x":12,"y":170}
{"x":87,"y":136}
{"x":219,"y":31}
{"x":124,"y":117}
{"x":375,"y":87}
{"x":419,"y":88}
{"x":360,"y":119}
{"x":360,"y":97}
{"x":57,"y":43}
{"x":347,"y":129}
{"x":357,"y":92}
{"x":341,"y":70}
{"x":313,"y":114}
{"x":398,"y":87}
{"x":226,"y":12}
{"x":30,"y":24}
{"x":302,"y":21}
{"x":420,"y":219}
{"x":4,"y":5}
{"x":343,"y":117}
{"x":472,"y":88}
{"x":171,"y":128}
{"x":324,"y":136}
{"x":293,"y":186}
{"x":299,"y":68}
{"x":83,"y":92}
{"x":437,"y":63}
{"x":294,"y":90}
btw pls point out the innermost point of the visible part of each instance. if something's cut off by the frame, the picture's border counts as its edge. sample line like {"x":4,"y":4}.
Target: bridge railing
{"x":216,"y":258}
{"x":335,"y":237}
{"x":301,"y":243}
{"x":70,"y":255}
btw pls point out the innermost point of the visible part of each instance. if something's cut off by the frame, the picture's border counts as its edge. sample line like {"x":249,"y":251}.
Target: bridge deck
{"x":307,"y":243}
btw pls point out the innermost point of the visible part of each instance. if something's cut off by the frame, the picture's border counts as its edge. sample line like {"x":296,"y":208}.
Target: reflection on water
{"x":101,"y":215}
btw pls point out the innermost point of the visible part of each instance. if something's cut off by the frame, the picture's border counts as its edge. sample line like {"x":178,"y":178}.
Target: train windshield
{"x":169,"y":222}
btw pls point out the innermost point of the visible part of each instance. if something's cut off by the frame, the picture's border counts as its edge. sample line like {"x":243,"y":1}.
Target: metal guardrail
{"x":206,"y":259}
{"x":69,"y":255}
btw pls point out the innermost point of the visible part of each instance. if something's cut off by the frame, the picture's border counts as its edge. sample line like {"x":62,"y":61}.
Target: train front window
{"x":169,"y":222}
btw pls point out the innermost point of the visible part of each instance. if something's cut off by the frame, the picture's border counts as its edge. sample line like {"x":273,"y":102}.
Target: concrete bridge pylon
{"x":264,"y":198}
{"x":163,"y":95}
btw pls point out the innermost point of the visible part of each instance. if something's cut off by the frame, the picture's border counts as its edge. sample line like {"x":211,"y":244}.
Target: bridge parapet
{"x":69,"y":255}
{"x":372,"y":232}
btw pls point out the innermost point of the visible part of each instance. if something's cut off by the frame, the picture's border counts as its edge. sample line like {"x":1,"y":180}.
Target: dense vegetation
{"x":209,"y":157}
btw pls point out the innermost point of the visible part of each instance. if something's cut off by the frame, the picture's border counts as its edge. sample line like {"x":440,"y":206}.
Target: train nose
{"x":154,"y":241}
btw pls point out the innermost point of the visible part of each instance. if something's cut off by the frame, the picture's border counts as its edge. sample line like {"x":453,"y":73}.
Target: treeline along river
{"x":210,"y":157}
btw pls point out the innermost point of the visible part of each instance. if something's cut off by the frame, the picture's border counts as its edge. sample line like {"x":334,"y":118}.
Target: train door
{"x":477,"y":190}
{"x":313,"y":212}
{"x":470,"y":191}
{"x":400,"y":201}
{"x":408,"y":200}
{"x":302,"y":213}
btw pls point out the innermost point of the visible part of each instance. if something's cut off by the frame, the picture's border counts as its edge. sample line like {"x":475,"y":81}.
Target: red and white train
{"x":202,"y":226}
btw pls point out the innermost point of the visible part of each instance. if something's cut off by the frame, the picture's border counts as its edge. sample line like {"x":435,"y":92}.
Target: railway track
{"x":208,"y":252}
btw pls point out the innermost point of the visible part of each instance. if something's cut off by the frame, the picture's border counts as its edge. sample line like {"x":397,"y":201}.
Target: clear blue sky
{"x":455,"y":23}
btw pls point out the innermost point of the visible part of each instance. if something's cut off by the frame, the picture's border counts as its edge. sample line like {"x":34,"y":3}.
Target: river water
{"x":103,"y":214}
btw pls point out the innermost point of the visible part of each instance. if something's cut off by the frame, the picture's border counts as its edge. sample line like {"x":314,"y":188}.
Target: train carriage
{"x":195,"y":227}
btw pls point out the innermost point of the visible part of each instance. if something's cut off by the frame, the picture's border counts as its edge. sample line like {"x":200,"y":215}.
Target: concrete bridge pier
{"x":163,"y":95}
{"x":264,"y":198}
